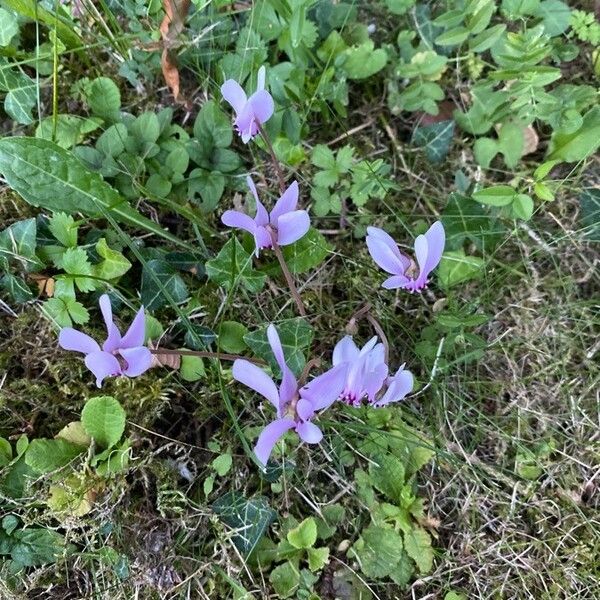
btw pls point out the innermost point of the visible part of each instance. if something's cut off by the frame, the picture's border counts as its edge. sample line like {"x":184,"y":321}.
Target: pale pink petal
{"x":384,"y":256}
{"x":262,"y":106}
{"x":269,"y":436}
{"x":102,"y":365}
{"x":292,"y":226}
{"x":289,"y":385}
{"x":71,"y":339}
{"x":286,"y":203}
{"x":136,"y":334}
{"x":401,"y":384}
{"x":256,"y":379}
{"x":234,"y":94}
{"x":309,"y":432}
{"x":345,"y":351}
{"x":260,"y":79}
{"x":139,"y":360}
{"x":436,"y":240}
{"x":305,"y":409}
{"x":235,"y":218}
{"x":397,"y":281}
{"x":114,"y":335}
{"x":388,"y":240}
{"x":325,"y":389}
{"x":262,"y":216}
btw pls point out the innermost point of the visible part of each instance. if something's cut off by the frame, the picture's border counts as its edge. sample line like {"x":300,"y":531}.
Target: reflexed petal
{"x":102,"y":364}
{"x":262,"y":105}
{"x":368,"y":346}
{"x":262,"y":216}
{"x":286,"y":203}
{"x":262,"y":239}
{"x":136,"y":334}
{"x":256,"y":379}
{"x":235,"y":218}
{"x":292,"y":226}
{"x":269,"y":436}
{"x":401,"y":384}
{"x":385,"y":257}
{"x":234,"y":94}
{"x":260,"y":79}
{"x":374,"y":380}
{"x":114,"y":335}
{"x":305,"y":409}
{"x":397,"y":281}
{"x":436,"y":240}
{"x":139,"y":360}
{"x":244,"y":122}
{"x":325,"y":389}
{"x":309,"y":432}
{"x":289,"y":385}
{"x":388,"y":240}
{"x":71,"y":339}
{"x":345,"y":350}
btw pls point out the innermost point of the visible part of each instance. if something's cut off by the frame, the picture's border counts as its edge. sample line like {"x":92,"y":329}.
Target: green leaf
{"x":417,"y":543}
{"x":556,"y":16}
{"x":213,"y":127}
{"x":307,"y":253}
{"x":248,"y":519}
{"x":64,"y":229}
{"x":363,"y":61}
{"x":497,"y":195}
{"x":158,"y":186}
{"x":22,"y":93}
{"x":192,"y":368}
{"x":522,"y":207}
{"x":18,"y":245}
{"x":75,"y":262}
{"x":589,"y":201}
{"x":233,"y":265}
{"x":387,"y":475}
{"x":48,"y":176}
{"x":436,"y":138}
{"x":64,"y":310}
{"x":161,"y":285}
{"x":146,"y":128}
{"x":222,"y":464}
{"x":112,"y":141}
{"x":285,"y":579}
{"x":317,"y":558}
{"x":305,"y":535}
{"x":323,"y":157}
{"x":70,"y":129}
{"x":231,"y":337}
{"x":16,"y":287}
{"x":455,"y":267}
{"x":6,"y":455}
{"x":295,"y":335}
{"x":104,"y":98}
{"x":36,"y":546}
{"x":44,"y":455}
{"x":9,"y":27}
{"x":113,"y":264}
{"x":486,"y":39}
{"x":378,"y":550}
{"x":103,"y":419}
{"x":210,"y":186}
{"x":399,"y":7}
{"x":452,"y":37}
{"x":575,"y":146}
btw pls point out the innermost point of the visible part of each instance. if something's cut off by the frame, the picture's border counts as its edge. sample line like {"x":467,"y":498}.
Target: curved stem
{"x":274,"y":160}
{"x":286,"y":273}
{"x":203,"y":354}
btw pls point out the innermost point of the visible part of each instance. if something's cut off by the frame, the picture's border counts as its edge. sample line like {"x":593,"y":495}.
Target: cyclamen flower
{"x":398,"y":386}
{"x":250,"y":113}
{"x":120,"y":355}
{"x":366,"y":369}
{"x":287,"y":223}
{"x":428,"y":251}
{"x":295,"y":407}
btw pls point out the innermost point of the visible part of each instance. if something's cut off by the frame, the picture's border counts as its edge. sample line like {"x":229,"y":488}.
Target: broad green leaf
{"x":295,"y":335}
{"x":103,"y":419}
{"x":247,"y":518}
{"x":104,"y":98}
{"x":307,"y":253}
{"x":363,"y":61}
{"x":192,"y":368}
{"x":575,"y":146}
{"x":44,"y":455}
{"x":64,"y":229}
{"x":75,"y":433}
{"x":387,"y":475}
{"x":16,"y":287}
{"x":64,"y":311}
{"x":436,"y":139}
{"x":113,"y":263}
{"x":146,"y":128}
{"x":555,"y":15}
{"x":305,"y":535}
{"x":486,"y":39}
{"x":112,"y":141}
{"x":417,"y":543}
{"x":522,"y":207}
{"x":70,"y":129}
{"x":233,"y":265}
{"x":18,"y":245}
{"x":452,"y":37}
{"x":222,"y":464}
{"x":22,"y":92}
{"x":212,"y":126}
{"x":285,"y":579}
{"x":231,"y":337}
{"x":6,"y":455}
{"x":35,"y":546}
{"x":9,"y":26}
{"x":162,"y":285}
{"x":209,"y":185}
{"x":48,"y":176}
{"x":589,"y":201}
{"x":456,"y":267}
{"x":323,"y":157}
{"x":399,"y":7}
{"x":317,"y":558}
{"x":378,"y":550}
{"x":497,"y":195}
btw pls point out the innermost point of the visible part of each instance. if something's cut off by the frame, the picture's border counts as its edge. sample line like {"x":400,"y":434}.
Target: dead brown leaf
{"x":530,"y":139}
{"x":44,"y":283}
{"x":172,"y":25}
{"x":164,"y":359}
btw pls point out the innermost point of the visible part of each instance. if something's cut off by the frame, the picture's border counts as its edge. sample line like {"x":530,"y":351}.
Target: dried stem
{"x":365,"y":313}
{"x":202,"y":354}
{"x":276,"y":164}
{"x":286,"y":273}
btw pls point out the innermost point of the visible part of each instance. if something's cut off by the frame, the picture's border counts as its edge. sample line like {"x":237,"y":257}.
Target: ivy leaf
{"x":103,"y":419}
{"x":248,"y":519}
{"x":295,"y":335}
{"x":233,"y":265}
{"x":16,"y":287}
{"x":18,"y":245}
{"x":161,"y":285}
{"x":589,"y":201}
{"x":307,"y":253}
{"x":436,"y":139}
{"x":22,"y":93}
{"x":44,"y":455}
{"x":9,"y":26}
{"x":113,"y":265}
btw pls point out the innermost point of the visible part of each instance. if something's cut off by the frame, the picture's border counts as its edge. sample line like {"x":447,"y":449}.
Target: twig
{"x":276,"y":164}
{"x":379,"y":330}
{"x":202,"y":354}
{"x":286,"y":273}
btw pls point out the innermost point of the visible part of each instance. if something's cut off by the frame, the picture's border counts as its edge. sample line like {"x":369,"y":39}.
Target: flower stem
{"x":202,"y":354}
{"x":287,"y":274}
{"x":276,"y":164}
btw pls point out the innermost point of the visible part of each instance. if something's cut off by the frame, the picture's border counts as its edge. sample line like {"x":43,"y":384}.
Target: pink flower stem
{"x":276,"y":164}
{"x":202,"y":354}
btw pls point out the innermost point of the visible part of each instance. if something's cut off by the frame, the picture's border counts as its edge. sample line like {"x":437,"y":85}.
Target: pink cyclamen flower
{"x":428,"y":251}
{"x":287,"y":223}
{"x":398,"y":386}
{"x":120,"y":355}
{"x":250,"y":113}
{"x":295,"y":407}
{"x":366,"y":369}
